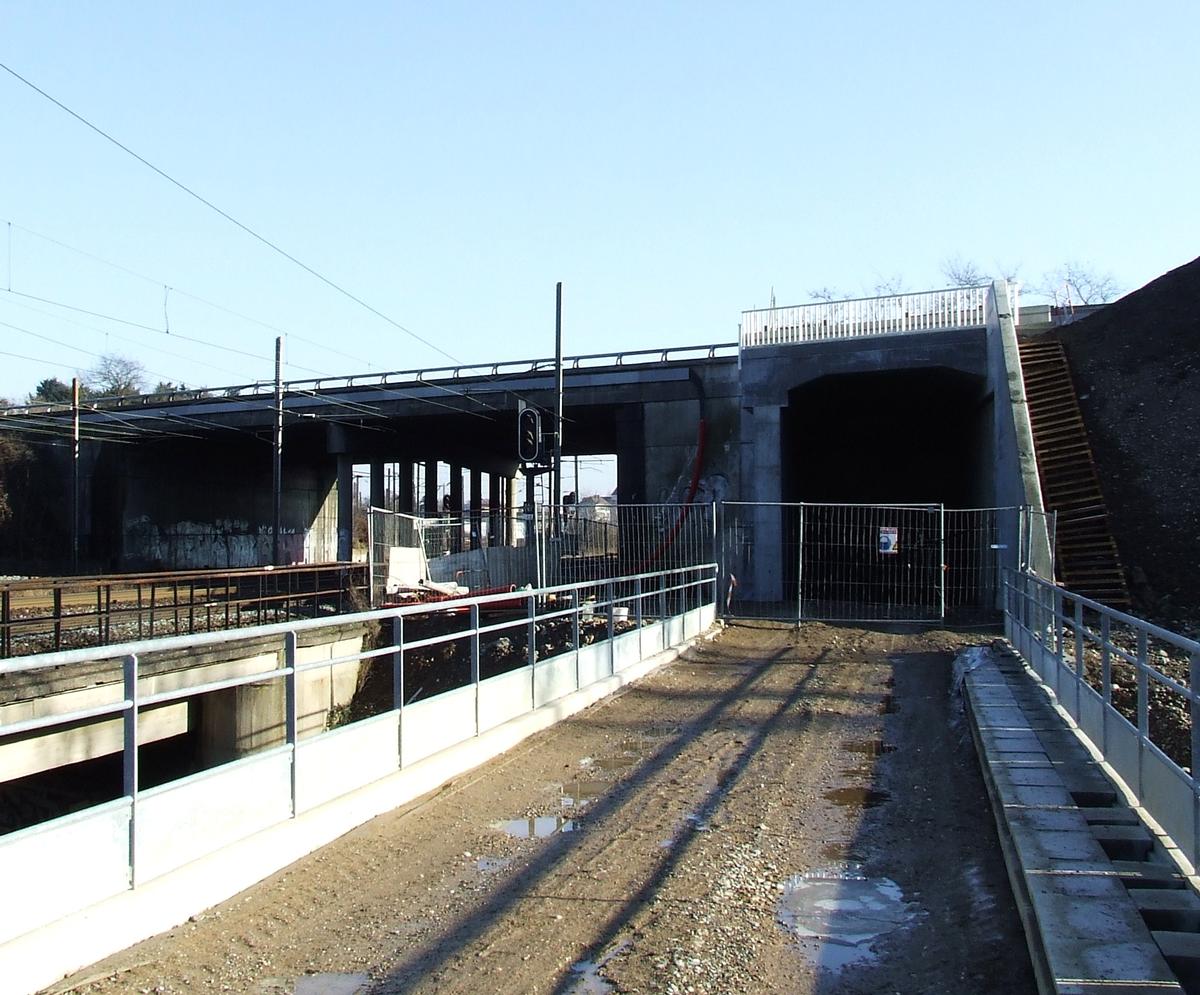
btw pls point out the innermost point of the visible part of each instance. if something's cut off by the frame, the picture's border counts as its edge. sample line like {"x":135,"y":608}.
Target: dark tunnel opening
{"x":900,"y":437}
{"x":913,"y":437}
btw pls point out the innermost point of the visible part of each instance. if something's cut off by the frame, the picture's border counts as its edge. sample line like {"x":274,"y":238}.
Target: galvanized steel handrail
{"x":207,"y":639}
{"x":935,"y":310}
{"x":1051,"y":626}
{"x":129,"y":701}
{"x":393,"y":378}
{"x":48,"y":609}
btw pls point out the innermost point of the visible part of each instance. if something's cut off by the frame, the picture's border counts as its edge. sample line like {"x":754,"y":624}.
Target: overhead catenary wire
{"x":227,"y":216}
{"x":215,"y":345}
{"x":171,"y":289}
{"x":124,"y":338}
{"x":248,"y":230}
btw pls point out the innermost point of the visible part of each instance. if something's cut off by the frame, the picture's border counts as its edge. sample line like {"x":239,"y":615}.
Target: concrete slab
{"x":1115,"y":815}
{"x":1086,"y":934}
{"x":1054,"y":819}
{"x":1028,"y":795}
{"x":1168,"y":909}
{"x":1148,"y":874}
{"x":1020,"y":758}
{"x":1182,"y":951}
{"x":1124,"y":842}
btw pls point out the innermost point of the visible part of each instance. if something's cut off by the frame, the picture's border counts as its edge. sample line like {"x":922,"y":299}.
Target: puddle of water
{"x":579,"y":793}
{"x":887,"y":706}
{"x":869,"y":747}
{"x":331,"y":984}
{"x":538,"y":827}
{"x":489,"y":865}
{"x":837,"y":912}
{"x":585,"y":974}
{"x":854,"y":797}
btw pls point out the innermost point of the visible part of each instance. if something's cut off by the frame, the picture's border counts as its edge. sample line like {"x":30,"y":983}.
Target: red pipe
{"x":697,"y":466}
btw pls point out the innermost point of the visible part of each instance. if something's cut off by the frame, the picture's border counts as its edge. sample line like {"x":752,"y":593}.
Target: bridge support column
{"x":495,"y":513}
{"x":476,"y":508}
{"x":408,"y":503}
{"x":345,"y":507}
{"x":456,"y":506}
{"x":763,"y":484}
{"x":431,"y":475}
{"x":378,"y":491}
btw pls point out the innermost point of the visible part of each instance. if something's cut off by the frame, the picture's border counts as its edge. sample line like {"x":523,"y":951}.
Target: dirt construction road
{"x":782,"y":810}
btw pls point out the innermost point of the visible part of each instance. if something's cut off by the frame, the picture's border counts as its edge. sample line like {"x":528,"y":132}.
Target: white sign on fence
{"x":889,"y":539}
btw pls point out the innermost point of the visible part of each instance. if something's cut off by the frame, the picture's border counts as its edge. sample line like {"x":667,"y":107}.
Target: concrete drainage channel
{"x":1103,"y":905}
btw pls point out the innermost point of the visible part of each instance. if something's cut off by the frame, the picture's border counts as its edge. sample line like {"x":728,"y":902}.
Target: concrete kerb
{"x":1084,"y":931}
{"x":38,"y":959}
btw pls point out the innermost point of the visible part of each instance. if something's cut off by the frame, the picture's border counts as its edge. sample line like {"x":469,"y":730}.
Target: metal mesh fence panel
{"x":760,"y":556}
{"x":599,"y":541}
{"x":871,"y":562}
{"x":550,"y":546}
{"x":845,"y":562}
{"x":980,"y":544}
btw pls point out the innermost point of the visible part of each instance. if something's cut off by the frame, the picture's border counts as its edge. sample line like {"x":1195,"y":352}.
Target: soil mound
{"x":1136,"y":367}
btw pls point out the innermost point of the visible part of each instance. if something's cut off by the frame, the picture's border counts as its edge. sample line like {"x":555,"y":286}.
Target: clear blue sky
{"x":671,"y":163}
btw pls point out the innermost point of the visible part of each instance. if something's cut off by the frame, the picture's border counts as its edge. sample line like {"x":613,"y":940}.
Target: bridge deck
{"x":691,"y":798}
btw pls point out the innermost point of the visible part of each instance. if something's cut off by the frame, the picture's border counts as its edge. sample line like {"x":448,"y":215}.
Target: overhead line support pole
{"x":75,"y":475}
{"x":558,"y":407}
{"x":277,"y":461}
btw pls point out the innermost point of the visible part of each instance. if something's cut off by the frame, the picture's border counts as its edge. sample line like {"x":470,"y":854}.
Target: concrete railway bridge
{"x":831,"y":437}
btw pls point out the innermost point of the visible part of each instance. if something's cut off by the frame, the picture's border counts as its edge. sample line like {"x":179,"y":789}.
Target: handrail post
{"x":1079,"y":656}
{"x":398,"y":685}
{"x":1194,"y":709}
{"x":475,"y":659}
{"x":637,"y":611}
{"x":129,"y":756}
{"x":1106,"y":677}
{"x":609,"y":596}
{"x":1143,"y":705}
{"x":531,"y":635}
{"x":576,"y":598}
{"x":289,"y":683}
{"x":1059,"y":633}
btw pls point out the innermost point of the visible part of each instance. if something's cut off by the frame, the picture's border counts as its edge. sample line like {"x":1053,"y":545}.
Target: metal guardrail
{"x":1132,"y":687}
{"x":626,"y":605}
{"x":935,"y":310}
{"x":396,"y":378}
{"x":43,"y":614}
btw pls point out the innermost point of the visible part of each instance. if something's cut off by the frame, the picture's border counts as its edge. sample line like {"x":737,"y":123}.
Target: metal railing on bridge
{"x":1131,"y":687}
{"x":427,"y":677}
{"x":929,"y":311}
{"x":42,"y":614}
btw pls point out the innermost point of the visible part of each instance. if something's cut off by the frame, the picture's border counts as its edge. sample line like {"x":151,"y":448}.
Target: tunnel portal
{"x":901,"y":436}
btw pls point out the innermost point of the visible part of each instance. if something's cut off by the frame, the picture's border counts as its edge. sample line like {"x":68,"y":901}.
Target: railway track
{"x":52,"y":613}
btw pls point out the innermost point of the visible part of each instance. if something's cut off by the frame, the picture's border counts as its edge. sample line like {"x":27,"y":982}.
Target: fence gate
{"x":865,"y":563}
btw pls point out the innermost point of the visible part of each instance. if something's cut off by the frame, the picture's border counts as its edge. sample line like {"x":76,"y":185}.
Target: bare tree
{"x":1078,"y":283}
{"x":114,"y":376}
{"x":960,"y":272}
{"x":827,"y":294}
{"x":890,"y":286}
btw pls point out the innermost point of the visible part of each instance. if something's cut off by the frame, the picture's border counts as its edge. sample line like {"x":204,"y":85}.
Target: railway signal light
{"x":529,"y":434}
